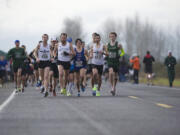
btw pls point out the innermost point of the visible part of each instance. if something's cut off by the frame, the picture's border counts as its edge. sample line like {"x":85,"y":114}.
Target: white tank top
{"x":44,"y":53}
{"x":97,"y":57}
{"x":61,"y":50}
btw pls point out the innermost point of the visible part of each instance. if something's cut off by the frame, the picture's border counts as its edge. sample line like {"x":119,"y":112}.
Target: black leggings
{"x":136,"y":76}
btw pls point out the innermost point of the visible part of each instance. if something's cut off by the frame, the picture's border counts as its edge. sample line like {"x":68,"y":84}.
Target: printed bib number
{"x":98,"y":55}
{"x":45,"y":56}
{"x":79,"y":64}
{"x":18,"y":55}
{"x":112,"y":55}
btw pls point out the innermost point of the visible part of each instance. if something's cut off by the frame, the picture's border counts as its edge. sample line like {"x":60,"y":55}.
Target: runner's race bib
{"x":44,"y":56}
{"x":98,"y":55}
{"x":18,"y":55}
{"x":112,"y":54}
{"x":79,"y":64}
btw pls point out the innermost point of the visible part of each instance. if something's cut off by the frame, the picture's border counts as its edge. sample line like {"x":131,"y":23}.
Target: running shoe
{"x":78,"y":94}
{"x":16,"y":91}
{"x":113,"y":92}
{"x":22,"y":90}
{"x":83,"y":88}
{"x":46,"y":94}
{"x":63,"y":91}
{"x":26,"y":84}
{"x":38,"y":84}
{"x":98,"y":94}
{"x":19,"y":89}
{"x":42,"y":89}
{"x":94,"y":91}
{"x":69,"y":94}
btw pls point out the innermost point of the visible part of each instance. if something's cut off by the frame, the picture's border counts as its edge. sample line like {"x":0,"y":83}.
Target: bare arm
{"x":119,"y":46}
{"x":55,"y":51}
{"x":106,"y":50}
{"x":72,"y":50}
{"x":86,"y":54}
{"x":91,"y":52}
{"x":36,"y":52}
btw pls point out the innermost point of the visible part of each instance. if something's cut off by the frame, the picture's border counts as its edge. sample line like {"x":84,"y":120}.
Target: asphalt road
{"x":136,"y":110}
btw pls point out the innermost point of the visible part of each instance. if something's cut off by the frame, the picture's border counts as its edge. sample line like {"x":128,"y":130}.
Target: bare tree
{"x":73,"y":27}
{"x":178,"y":41}
{"x":110,"y":25}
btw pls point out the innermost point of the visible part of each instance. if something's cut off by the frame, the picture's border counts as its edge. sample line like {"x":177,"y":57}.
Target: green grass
{"x":161,"y":81}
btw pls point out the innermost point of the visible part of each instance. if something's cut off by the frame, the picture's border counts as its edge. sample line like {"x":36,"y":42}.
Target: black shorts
{"x":99,"y":68}
{"x":77,"y":70}
{"x":89,"y":68}
{"x":44,"y":64}
{"x":35,"y":66}
{"x":24,"y":71}
{"x":148,"y":70}
{"x":65,"y":64}
{"x":114,"y":67}
{"x":54,"y":68}
{"x":30,"y":72}
{"x":2,"y":73}
{"x":15,"y":68}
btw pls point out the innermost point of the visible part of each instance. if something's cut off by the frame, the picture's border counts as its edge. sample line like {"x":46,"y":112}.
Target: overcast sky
{"x":27,"y":20}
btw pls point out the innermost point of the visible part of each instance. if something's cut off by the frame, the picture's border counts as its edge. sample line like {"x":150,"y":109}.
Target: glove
{"x":66,"y":54}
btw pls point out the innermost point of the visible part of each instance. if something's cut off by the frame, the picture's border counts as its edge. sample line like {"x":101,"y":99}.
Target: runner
{"x":63,"y":51}
{"x":71,"y":72}
{"x":81,"y":56}
{"x":148,"y":62}
{"x":35,"y":67}
{"x":89,"y":67}
{"x":18,"y":55}
{"x":3,"y":67}
{"x":53,"y":74}
{"x":42,"y":54}
{"x":112,"y":50}
{"x":25,"y":69}
{"x":96,"y":54}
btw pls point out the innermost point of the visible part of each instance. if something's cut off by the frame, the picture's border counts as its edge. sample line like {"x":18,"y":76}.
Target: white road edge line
{"x":7,"y":101}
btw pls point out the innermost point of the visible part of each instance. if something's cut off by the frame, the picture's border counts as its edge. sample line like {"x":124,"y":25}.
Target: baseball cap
{"x":16,"y":41}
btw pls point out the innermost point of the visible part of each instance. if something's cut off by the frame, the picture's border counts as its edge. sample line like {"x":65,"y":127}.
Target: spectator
{"x":9,"y":71}
{"x":3,"y":66}
{"x":148,"y":61}
{"x":170,"y":63}
{"x":123,"y":70}
{"x":136,"y":66}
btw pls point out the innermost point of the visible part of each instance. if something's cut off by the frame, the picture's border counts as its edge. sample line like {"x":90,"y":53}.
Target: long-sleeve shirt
{"x":136,"y":63}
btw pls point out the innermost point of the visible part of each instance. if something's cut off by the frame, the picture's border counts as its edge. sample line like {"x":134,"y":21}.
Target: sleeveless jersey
{"x":79,"y":59}
{"x":61,"y":50}
{"x":44,"y":53}
{"x":97,"y":56}
{"x":113,"y":58}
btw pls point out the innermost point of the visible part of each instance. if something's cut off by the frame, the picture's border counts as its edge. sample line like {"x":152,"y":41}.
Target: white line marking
{"x":7,"y":101}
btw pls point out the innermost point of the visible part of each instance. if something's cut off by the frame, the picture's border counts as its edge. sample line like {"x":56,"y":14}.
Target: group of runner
{"x":70,"y":65}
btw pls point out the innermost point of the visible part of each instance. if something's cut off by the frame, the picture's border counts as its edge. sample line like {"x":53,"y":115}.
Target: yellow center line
{"x":164,"y":105}
{"x":158,"y":104}
{"x":133,"y":97}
